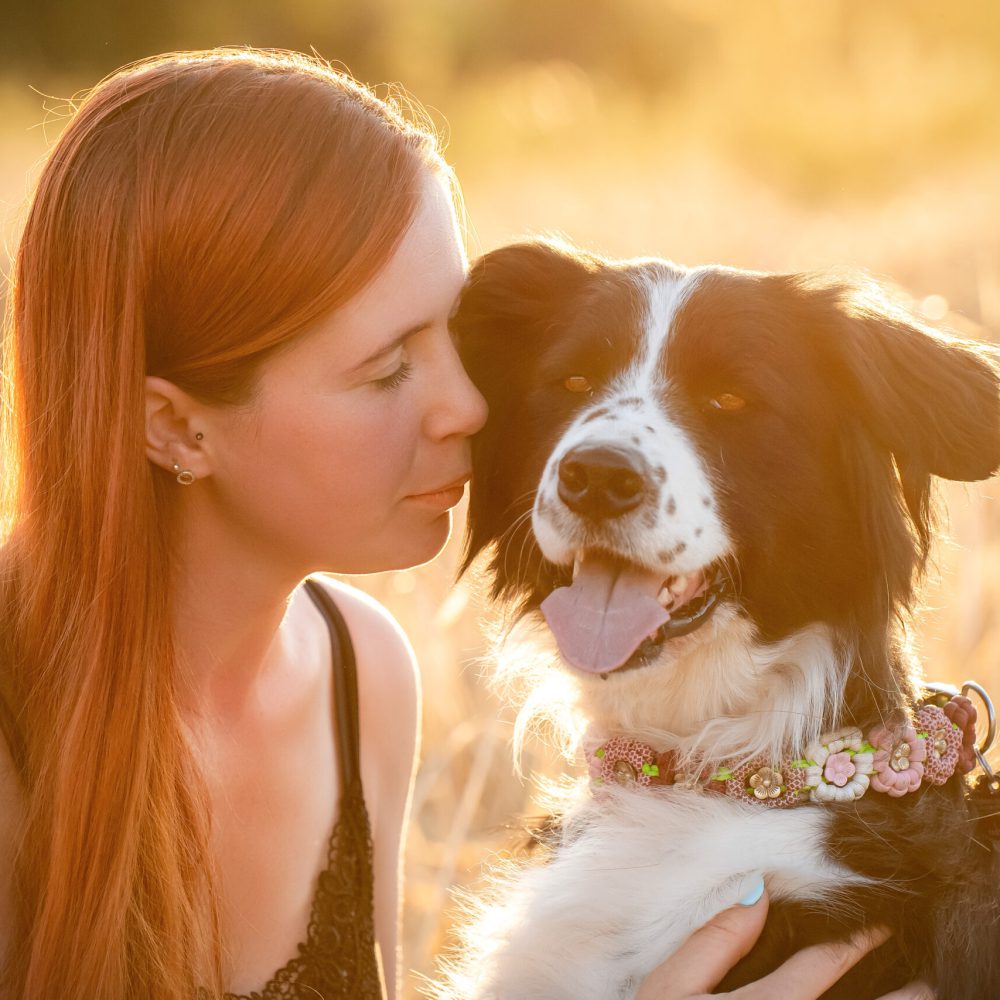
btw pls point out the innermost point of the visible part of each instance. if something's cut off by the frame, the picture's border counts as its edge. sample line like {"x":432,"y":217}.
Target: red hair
{"x":199,"y":211}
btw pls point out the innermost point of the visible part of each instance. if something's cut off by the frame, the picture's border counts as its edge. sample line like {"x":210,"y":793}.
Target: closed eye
{"x":397,"y":378}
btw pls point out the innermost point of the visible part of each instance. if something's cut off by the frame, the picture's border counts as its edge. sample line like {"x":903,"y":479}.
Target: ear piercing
{"x":185,"y":478}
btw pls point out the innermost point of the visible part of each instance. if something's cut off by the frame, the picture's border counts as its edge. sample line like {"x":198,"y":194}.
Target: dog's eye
{"x":578,"y":383}
{"x":727,"y":401}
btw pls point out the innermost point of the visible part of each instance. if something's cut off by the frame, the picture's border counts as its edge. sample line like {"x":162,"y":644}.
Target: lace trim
{"x":337,"y":959}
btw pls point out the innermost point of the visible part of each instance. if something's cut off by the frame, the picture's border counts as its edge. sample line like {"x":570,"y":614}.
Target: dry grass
{"x":934,"y":232}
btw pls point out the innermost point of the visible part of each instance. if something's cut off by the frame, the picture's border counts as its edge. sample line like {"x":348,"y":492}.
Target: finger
{"x":912,"y":991}
{"x":707,"y":955}
{"x":812,"y":971}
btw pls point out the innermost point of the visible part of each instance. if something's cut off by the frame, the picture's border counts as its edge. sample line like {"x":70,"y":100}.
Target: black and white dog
{"x":707,"y":497}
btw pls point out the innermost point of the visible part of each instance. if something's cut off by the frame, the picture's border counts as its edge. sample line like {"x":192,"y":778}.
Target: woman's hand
{"x":698,"y":966}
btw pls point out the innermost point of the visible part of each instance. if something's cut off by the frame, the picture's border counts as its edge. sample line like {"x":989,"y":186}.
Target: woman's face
{"x":358,"y":446}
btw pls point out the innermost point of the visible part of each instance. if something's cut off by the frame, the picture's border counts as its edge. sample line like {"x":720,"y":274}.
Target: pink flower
{"x":962,"y":713}
{"x":839,"y":769}
{"x":943,"y":744}
{"x":839,"y":783}
{"x":625,"y":761}
{"x":767,"y":783}
{"x":899,"y":760}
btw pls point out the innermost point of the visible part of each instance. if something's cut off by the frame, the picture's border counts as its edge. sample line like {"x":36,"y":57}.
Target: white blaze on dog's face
{"x":627,"y":501}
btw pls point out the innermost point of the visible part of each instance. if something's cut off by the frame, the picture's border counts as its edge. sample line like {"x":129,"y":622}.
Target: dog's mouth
{"x":617,"y":615}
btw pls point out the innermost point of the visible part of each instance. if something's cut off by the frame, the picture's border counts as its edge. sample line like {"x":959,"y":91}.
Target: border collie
{"x":706,"y":497}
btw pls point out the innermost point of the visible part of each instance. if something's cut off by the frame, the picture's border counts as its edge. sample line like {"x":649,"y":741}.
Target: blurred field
{"x":855,"y":137}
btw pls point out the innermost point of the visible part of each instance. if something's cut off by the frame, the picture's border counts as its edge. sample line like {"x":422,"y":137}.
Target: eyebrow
{"x":387,"y":349}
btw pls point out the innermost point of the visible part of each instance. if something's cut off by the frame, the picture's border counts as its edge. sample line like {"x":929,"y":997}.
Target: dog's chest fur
{"x":636,"y":872}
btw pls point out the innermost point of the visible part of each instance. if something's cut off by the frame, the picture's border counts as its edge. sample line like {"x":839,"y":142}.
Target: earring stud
{"x":185,"y":478}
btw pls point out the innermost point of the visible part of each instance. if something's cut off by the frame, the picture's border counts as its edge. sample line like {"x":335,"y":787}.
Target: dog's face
{"x":688,"y":441}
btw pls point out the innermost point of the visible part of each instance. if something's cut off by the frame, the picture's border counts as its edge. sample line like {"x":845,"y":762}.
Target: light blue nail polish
{"x":754,"y":894}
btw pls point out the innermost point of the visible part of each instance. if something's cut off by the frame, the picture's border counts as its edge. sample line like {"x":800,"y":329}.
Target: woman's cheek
{"x":382,"y":448}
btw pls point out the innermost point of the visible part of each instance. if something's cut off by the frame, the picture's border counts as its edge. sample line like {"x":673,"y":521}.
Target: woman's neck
{"x":237,"y":626}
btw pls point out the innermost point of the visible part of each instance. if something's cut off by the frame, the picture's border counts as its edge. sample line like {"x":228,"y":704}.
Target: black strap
{"x":345,"y":685}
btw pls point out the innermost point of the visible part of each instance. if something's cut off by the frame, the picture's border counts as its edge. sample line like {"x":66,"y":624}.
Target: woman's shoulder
{"x":387,"y":666}
{"x":375,"y":634}
{"x":389,"y":706}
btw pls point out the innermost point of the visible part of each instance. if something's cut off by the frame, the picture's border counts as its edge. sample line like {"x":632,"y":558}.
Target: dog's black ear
{"x":513,"y":291}
{"x":931,"y":399}
{"x":503,"y":324}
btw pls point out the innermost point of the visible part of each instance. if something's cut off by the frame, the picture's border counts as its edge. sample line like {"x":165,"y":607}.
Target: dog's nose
{"x":601,"y":482}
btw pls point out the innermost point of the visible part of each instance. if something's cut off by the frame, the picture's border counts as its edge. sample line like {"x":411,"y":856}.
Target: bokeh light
{"x":775,"y":135}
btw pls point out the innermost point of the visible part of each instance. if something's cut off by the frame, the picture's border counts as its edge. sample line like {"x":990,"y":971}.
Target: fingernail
{"x":754,"y":893}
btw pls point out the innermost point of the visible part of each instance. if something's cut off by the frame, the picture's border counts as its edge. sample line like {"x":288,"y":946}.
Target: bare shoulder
{"x":377,"y":636}
{"x":388,"y":678}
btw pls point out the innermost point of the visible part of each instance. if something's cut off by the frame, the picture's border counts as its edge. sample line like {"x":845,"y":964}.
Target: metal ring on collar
{"x":991,"y":718}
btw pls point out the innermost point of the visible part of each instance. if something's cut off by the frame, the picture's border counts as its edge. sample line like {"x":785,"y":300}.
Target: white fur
{"x":638,"y":869}
{"x":638,"y":872}
{"x":677,"y":528}
{"x":717,"y":693}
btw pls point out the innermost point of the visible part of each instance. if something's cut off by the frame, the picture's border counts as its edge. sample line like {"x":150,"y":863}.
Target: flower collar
{"x":841,"y":766}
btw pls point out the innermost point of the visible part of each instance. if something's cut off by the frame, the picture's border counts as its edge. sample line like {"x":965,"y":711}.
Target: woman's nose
{"x":458,"y":406}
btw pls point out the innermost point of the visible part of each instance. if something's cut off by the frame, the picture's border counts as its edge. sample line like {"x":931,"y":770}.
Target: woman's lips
{"x":444,"y":496}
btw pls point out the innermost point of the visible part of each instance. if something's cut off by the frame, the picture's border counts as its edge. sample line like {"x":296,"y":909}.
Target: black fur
{"x":939,"y":889}
{"x":826,"y":476}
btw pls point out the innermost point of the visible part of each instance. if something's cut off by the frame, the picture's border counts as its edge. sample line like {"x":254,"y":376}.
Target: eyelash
{"x":397,"y":378}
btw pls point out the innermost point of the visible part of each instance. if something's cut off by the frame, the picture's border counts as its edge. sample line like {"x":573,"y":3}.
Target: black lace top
{"x":337,"y":961}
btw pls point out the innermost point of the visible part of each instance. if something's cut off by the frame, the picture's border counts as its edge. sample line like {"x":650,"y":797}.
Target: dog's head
{"x":678,"y":455}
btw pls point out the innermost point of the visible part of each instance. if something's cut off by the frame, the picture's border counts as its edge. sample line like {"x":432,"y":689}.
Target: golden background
{"x":776,"y":135}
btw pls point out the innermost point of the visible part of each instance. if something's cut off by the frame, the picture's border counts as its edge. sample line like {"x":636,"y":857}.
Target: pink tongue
{"x":600,"y":620}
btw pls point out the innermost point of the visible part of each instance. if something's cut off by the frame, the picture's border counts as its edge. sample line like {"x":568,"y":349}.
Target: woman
{"x":228,"y":368}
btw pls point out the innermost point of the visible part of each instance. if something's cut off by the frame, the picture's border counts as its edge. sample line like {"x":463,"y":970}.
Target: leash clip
{"x":991,"y":732}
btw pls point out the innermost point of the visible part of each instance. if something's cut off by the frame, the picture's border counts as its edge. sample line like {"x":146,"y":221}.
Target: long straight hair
{"x":198,"y":212}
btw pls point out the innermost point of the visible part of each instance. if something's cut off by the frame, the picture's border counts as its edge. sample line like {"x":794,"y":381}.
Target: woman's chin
{"x":431,"y":545}
{"x":419,"y":546}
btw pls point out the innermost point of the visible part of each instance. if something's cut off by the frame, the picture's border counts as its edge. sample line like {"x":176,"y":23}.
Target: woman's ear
{"x":931,"y":399}
{"x":171,"y":434}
